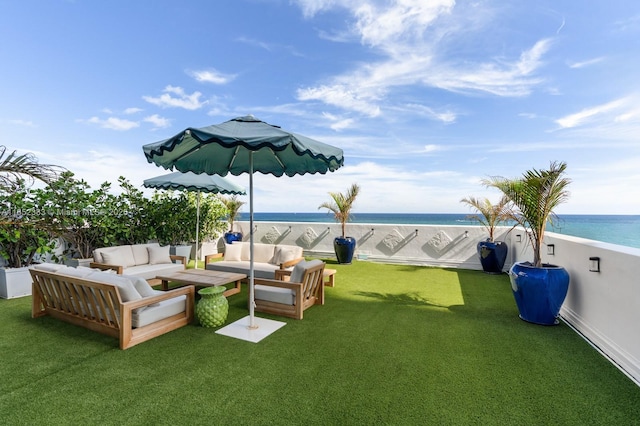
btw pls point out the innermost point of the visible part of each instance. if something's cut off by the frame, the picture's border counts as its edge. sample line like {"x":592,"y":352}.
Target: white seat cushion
{"x":280,"y":295}
{"x":160,"y":311}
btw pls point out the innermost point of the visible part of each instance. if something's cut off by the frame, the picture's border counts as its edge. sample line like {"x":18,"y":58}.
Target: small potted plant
{"x":492,"y":253}
{"x":538,"y":288}
{"x":341,"y":206}
{"x":233,"y":205}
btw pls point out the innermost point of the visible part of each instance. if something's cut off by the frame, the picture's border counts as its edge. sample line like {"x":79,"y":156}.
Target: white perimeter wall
{"x":603,"y":306}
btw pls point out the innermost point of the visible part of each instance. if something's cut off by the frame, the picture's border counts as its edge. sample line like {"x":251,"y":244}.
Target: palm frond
{"x":536,"y":195}
{"x":14,"y":167}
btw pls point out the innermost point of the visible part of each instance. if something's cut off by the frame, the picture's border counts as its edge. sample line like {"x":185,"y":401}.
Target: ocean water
{"x":616,"y":229}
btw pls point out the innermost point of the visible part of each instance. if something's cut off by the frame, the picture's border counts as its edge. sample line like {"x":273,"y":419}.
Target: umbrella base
{"x":241,"y":330}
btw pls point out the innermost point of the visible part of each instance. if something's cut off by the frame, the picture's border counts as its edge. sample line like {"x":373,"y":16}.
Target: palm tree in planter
{"x":23,"y":233}
{"x":538,"y":288}
{"x":233,"y":205}
{"x":341,"y":208}
{"x":492,"y":253}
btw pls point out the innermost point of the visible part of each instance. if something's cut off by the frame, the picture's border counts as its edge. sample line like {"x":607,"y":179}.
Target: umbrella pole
{"x":252,"y":324}
{"x":197,"y":227}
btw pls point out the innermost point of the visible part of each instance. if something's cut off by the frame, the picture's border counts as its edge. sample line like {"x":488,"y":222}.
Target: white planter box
{"x":15,"y":282}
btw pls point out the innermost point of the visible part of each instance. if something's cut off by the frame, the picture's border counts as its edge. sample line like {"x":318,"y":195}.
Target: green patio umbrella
{"x":192,"y":182}
{"x":244,"y":145}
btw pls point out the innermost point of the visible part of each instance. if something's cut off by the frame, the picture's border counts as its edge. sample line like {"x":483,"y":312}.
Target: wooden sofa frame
{"x":99,"y":307}
{"x":309,"y":292}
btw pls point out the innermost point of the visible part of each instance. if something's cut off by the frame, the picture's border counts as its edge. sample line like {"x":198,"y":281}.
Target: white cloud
{"x":500,"y":78}
{"x":432,"y":148}
{"x":380,"y":27}
{"x":113,"y":123}
{"x":446,"y":116}
{"x":25,"y":123}
{"x":157,"y":121}
{"x":211,"y":76}
{"x":180,"y":100}
{"x":342,"y":96}
{"x":586,"y":63}
{"x":580,"y":118}
{"x":415,"y":39}
{"x":133,"y":110}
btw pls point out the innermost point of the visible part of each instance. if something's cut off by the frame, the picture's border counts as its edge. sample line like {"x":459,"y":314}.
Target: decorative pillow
{"x":142,"y":286}
{"x":126,"y":289}
{"x":158,"y":254}
{"x":283,"y":254}
{"x":122,"y":253}
{"x":141,"y":254}
{"x":233,"y":252}
{"x":113,"y":258}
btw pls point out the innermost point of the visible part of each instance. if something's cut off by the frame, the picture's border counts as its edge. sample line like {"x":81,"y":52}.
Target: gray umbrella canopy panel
{"x":244,"y":145}
{"x":195,"y":183}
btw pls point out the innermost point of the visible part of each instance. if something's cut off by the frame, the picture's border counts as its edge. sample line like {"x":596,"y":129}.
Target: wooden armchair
{"x":305,"y":288}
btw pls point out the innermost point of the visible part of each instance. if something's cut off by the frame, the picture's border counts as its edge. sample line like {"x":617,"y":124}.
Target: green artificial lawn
{"x":392,"y":345}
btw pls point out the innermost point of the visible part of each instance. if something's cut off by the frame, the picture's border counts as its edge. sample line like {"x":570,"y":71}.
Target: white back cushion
{"x":286,"y":253}
{"x":48,"y":267}
{"x":233,"y":252}
{"x":127,"y":291}
{"x":301,"y":267}
{"x":262,"y":253}
{"x":141,"y":254}
{"x":118,"y":255}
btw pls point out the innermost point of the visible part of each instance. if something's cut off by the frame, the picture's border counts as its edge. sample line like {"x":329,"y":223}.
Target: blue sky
{"x":425,"y":97}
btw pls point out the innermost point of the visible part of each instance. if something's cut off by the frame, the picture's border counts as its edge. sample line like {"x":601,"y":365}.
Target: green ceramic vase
{"x":213,"y":307}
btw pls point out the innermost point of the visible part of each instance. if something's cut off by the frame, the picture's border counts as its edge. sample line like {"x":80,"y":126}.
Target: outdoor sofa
{"x":121,"y":306}
{"x":267,"y":258}
{"x":140,"y":260}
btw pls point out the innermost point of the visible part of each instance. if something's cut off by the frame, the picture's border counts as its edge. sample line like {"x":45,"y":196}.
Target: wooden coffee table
{"x":204,"y":278}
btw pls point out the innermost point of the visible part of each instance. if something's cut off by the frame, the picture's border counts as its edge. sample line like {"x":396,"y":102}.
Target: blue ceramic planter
{"x":492,"y":255}
{"x":230,"y":237}
{"x":539,"y":291}
{"x":344,"y":248}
